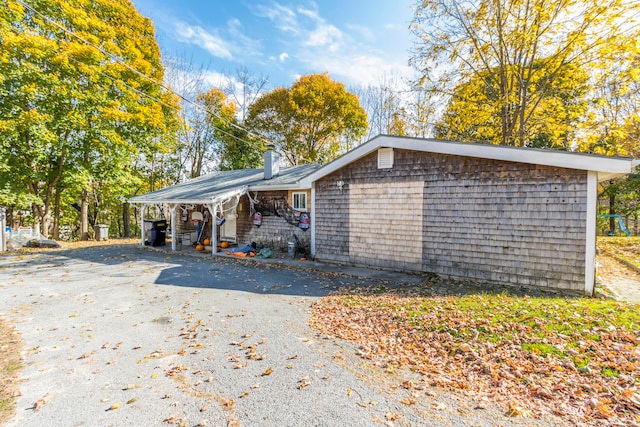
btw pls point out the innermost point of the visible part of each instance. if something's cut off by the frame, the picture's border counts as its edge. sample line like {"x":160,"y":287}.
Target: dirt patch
{"x":10,"y":364}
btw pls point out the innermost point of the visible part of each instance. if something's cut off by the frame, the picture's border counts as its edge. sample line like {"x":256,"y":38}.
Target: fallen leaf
{"x":173,"y":419}
{"x":268,"y":371}
{"x":131,"y":386}
{"x":517,"y":411}
{"x":114,"y":406}
{"x":38,"y":404}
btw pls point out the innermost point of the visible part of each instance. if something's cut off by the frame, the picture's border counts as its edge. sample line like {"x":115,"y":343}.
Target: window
{"x":299,"y":201}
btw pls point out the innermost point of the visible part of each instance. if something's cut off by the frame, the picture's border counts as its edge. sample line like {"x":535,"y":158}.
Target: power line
{"x":115,"y":58}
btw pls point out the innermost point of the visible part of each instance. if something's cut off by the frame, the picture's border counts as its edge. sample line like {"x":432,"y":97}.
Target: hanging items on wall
{"x":257,"y":219}
{"x":286,"y":212}
{"x":185,"y":214}
{"x":305,"y":221}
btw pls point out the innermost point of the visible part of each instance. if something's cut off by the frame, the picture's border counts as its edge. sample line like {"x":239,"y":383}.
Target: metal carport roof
{"x":217,"y":186}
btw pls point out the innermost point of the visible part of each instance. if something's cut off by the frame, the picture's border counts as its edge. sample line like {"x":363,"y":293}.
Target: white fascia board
{"x":606,"y":165}
{"x":229,"y":194}
{"x":513,"y":154}
{"x":278,"y":187}
{"x":171,"y":201}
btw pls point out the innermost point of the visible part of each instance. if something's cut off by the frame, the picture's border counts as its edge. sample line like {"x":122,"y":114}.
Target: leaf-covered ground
{"x":10,"y":364}
{"x":577,"y":358}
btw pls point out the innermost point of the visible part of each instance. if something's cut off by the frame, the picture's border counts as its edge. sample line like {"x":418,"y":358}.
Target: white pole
{"x":172,"y":209}
{"x":590,"y":232}
{"x":142,"y":209}
{"x":3,"y":224}
{"x":214,"y":229}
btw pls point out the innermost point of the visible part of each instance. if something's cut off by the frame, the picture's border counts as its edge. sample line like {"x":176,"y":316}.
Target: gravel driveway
{"x":117,"y":335}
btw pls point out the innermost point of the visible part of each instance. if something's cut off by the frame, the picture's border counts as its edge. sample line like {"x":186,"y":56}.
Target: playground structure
{"x":621,"y":227}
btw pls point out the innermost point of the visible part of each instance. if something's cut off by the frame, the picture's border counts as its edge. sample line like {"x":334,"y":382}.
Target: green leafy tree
{"x":310,"y":121}
{"x":77,"y":108}
{"x":517,"y":49}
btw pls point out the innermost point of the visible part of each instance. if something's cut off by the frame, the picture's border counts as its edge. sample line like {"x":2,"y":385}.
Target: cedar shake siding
{"x":467,"y":217}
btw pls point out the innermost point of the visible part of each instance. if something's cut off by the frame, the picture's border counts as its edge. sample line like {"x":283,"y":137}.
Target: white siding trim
{"x":590,"y":243}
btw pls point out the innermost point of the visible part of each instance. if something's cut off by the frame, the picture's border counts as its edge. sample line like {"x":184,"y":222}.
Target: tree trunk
{"x":126,"y":219}
{"x":84,"y":205}
{"x":612,"y":211}
{"x":56,"y":217}
{"x":84,"y":216}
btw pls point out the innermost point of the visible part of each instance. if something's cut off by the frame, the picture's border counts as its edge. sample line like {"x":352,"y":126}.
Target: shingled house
{"x":492,"y":213}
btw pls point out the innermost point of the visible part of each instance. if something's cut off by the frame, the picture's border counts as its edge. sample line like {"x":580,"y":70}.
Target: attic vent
{"x":385,"y":158}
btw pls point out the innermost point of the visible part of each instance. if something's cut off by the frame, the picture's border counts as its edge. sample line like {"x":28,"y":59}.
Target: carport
{"x":220,"y":193}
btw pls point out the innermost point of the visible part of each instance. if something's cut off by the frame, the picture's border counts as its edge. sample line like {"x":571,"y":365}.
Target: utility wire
{"x":115,"y":58}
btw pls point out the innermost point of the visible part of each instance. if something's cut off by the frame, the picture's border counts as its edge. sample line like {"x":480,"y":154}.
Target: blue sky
{"x":356,"y":41}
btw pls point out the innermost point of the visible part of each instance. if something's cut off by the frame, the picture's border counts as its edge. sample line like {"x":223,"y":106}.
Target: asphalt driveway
{"x":118,"y":335}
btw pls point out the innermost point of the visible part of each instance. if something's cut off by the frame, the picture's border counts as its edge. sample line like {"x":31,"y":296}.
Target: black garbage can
{"x":157,"y":232}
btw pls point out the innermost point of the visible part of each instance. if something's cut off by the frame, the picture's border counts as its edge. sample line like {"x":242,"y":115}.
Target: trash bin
{"x":157,"y":232}
{"x":101,"y":232}
{"x":291,"y":246}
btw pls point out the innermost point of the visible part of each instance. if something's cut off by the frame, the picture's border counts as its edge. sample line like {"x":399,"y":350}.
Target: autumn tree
{"x":80,"y":104}
{"x":310,"y":121}
{"x":473,"y":113}
{"x":517,"y":49}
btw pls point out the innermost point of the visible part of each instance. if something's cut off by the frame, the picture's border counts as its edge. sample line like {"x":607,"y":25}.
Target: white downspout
{"x":590,"y":243}
{"x":142,"y":236}
{"x":172,"y":209}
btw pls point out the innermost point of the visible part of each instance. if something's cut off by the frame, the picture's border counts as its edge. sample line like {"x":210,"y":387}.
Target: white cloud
{"x":198,"y":36}
{"x":348,"y":53}
{"x":325,"y":35}
{"x":364,"y":32}
{"x":216,"y":79}
{"x":357,"y":68}
{"x":283,"y":17}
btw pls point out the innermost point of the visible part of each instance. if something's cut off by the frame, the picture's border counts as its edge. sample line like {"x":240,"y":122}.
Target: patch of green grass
{"x":581,"y":361}
{"x":609,"y":372}
{"x":541,"y":349}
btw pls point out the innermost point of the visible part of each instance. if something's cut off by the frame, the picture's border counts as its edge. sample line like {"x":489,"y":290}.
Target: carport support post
{"x":214,"y":230}
{"x":213,"y":208}
{"x":172,"y":209}
{"x":142,"y":209}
